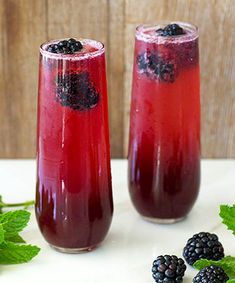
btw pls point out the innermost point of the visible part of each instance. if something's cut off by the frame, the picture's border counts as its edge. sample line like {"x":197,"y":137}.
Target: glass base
{"x":73,"y":250}
{"x":164,"y":220}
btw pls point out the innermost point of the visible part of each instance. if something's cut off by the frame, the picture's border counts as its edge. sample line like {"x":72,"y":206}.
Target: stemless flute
{"x":73,"y":197}
{"x":164,"y":143}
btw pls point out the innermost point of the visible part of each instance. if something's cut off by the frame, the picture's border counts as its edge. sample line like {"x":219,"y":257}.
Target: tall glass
{"x":74,"y":204}
{"x":164,"y":142}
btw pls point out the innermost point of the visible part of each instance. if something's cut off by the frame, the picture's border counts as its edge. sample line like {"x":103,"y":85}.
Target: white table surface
{"x":132,"y":244}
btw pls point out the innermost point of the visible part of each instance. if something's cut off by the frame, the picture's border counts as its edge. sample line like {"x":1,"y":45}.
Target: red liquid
{"x":164,"y":145}
{"x":73,"y":198}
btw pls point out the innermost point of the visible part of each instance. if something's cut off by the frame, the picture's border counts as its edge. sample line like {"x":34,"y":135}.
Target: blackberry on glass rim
{"x":65,"y":46}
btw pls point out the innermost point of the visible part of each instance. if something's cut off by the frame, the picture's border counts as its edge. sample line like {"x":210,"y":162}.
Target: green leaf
{"x":231,"y":281}
{"x":227,"y":213}
{"x":0,"y":205}
{"x":202,"y":263}
{"x":227,"y":263}
{"x":2,"y":232}
{"x":11,"y":253}
{"x":15,"y":238}
{"x":14,"y":221}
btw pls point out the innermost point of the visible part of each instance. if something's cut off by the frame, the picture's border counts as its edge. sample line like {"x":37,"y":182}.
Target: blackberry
{"x":65,"y":46}
{"x":141,"y":62}
{"x":75,"y":90}
{"x":154,"y":63}
{"x":211,"y":274}
{"x":171,"y":30}
{"x":72,"y":41}
{"x":203,"y":245}
{"x":157,"y":67}
{"x":166,"y":72}
{"x":168,"y":269}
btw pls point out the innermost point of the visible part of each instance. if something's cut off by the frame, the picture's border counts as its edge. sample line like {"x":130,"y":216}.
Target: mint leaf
{"x":0,"y":204}
{"x":227,"y":263}
{"x":231,"y":281}
{"x":227,"y":213}
{"x":15,"y":238}
{"x":11,"y":253}
{"x":14,"y":221}
{"x":2,"y":232}
{"x":202,"y":263}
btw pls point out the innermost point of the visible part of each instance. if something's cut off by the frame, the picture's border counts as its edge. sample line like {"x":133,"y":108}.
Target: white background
{"x":132,"y":244}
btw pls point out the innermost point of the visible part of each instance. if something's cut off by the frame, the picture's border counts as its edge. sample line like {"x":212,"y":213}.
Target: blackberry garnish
{"x":168,"y":269}
{"x":211,"y":274}
{"x":77,"y":45}
{"x":72,"y":41}
{"x":203,"y":245}
{"x":51,"y":49}
{"x":66,"y":46}
{"x":171,"y":30}
{"x":75,"y":90}
{"x":63,"y":43}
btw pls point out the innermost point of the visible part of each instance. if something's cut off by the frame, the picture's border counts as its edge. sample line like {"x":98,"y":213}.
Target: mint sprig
{"x":227,"y":213}
{"x":18,"y":204}
{"x":12,"y":251}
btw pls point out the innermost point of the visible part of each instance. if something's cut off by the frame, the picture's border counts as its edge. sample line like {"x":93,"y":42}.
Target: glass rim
{"x":140,"y":30}
{"x":73,"y":56}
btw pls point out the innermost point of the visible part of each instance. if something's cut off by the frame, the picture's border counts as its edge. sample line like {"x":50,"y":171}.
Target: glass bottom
{"x":165,"y":220}
{"x":73,"y":250}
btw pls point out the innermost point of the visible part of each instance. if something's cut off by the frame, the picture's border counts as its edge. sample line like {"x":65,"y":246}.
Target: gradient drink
{"x":164,"y":143}
{"x":73,"y":197}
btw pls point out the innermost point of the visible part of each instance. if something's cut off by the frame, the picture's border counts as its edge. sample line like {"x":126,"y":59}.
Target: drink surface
{"x":164,"y":143}
{"x":73,"y":197}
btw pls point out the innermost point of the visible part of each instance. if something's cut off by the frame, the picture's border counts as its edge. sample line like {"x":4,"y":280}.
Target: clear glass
{"x":74,"y":203}
{"x":164,"y":141}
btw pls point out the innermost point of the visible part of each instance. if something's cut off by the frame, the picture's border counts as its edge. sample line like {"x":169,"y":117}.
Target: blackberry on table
{"x":168,"y":269}
{"x":211,"y":274}
{"x":65,"y":46}
{"x":75,"y":90}
{"x":203,"y":245}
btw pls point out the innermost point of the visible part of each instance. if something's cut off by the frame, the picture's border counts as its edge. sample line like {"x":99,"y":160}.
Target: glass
{"x":74,"y":204}
{"x":164,"y":141}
